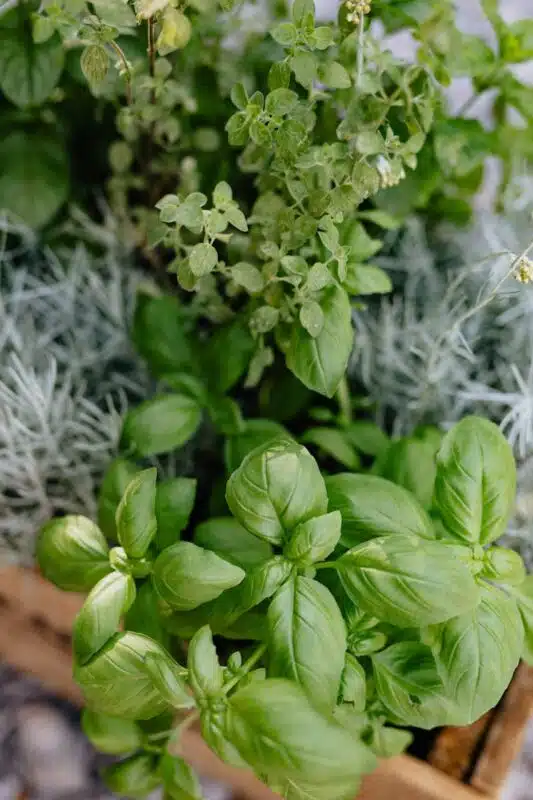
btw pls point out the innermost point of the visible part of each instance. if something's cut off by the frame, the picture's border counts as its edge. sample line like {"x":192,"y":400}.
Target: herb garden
{"x":266,"y":373}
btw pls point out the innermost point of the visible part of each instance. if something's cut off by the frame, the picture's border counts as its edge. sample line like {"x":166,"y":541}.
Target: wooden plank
{"x":407,"y":778}
{"x":26,"y":590}
{"x":456,"y":749}
{"x":506,"y":734}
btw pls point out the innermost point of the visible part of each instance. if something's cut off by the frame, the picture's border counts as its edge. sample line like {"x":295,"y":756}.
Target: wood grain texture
{"x":506,"y":734}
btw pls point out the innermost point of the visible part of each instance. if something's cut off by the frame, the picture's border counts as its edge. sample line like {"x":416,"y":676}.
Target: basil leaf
{"x":205,"y":673}
{"x":411,"y":463}
{"x":404,"y":708}
{"x":101,"y":613}
{"x":411,"y":665}
{"x":524,"y":598}
{"x":258,"y":585}
{"x":169,"y":679}
{"x":119,"y":473}
{"x":279,"y":732}
{"x":213,"y":726}
{"x":72,"y":553}
{"x":476,"y":481}
{"x":29,"y":72}
{"x":116,"y":682}
{"x":477,"y":654}
{"x":372,"y":506}
{"x":111,"y":734}
{"x":179,"y":780}
{"x":407,"y":581}
{"x":277,"y":486}
{"x":144,"y":615}
{"x":315,"y":539}
{"x":503,"y":566}
{"x":159,"y":334}
{"x":353,"y":683}
{"x":160,"y":425}
{"x":320,"y":362}
{"x":307,"y":639}
{"x":135,"y":777}
{"x":334,"y":443}
{"x":228,"y":539}
{"x":389,"y":742}
{"x":136,"y":520}
{"x":367,"y":437}
{"x":174,"y":502}
{"x":186,"y":576}
{"x":256,"y":433}
{"x":227,"y":355}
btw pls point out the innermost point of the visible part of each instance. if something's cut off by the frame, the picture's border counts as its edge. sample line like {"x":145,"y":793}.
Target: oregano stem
{"x":360,"y":51}
{"x":246,"y":667}
{"x":127,"y":73}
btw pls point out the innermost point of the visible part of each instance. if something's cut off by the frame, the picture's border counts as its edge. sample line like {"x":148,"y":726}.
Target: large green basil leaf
{"x":205,"y":673}
{"x":307,"y":639}
{"x":144,"y":615}
{"x":320,"y":362}
{"x":174,"y":502}
{"x":179,"y":780}
{"x":524,"y":598}
{"x":258,"y":585}
{"x":227,"y":355}
{"x":333,"y":442}
{"x":72,"y":553}
{"x":411,"y":463}
{"x":186,"y":576}
{"x":111,"y":734}
{"x":101,"y":613}
{"x":169,"y":679}
{"x":115,"y":482}
{"x":256,"y":432}
{"x":410,"y":665}
{"x":228,"y":539}
{"x":159,"y":334}
{"x":136,"y":520}
{"x":160,"y":425}
{"x":353,"y":683}
{"x":476,"y":481}
{"x":277,"y":487}
{"x":315,"y":539}
{"x":372,"y":506}
{"x":408,"y":581}
{"x":135,"y":777}
{"x":29,"y":72}
{"x":34,"y":174}
{"x":116,"y":682}
{"x":404,"y":708}
{"x":280,"y":733}
{"x":477,"y":654}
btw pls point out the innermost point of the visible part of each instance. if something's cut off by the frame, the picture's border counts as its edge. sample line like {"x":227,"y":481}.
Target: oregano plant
{"x":306,"y":629}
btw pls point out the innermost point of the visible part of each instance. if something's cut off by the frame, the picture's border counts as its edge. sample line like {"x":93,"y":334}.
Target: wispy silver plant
{"x":67,"y":373}
{"x":456,"y":337}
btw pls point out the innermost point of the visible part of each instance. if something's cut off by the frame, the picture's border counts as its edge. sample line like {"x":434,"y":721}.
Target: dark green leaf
{"x":144,"y":615}
{"x":476,"y":481}
{"x":408,"y":581}
{"x":410,"y":665}
{"x":371,"y":506}
{"x":333,"y":442}
{"x":411,"y":463}
{"x":29,"y":72}
{"x":101,"y":613}
{"x":135,"y":519}
{"x":135,"y":777}
{"x":159,"y":334}
{"x":367,"y":437}
{"x":205,"y":672}
{"x":174,"y":502}
{"x":179,"y":780}
{"x":256,"y":432}
{"x":307,"y":639}
{"x":186,"y":576}
{"x":227,"y":355}
{"x":277,"y":486}
{"x":119,"y":474}
{"x":160,"y":425}
{"x":72,"y":553}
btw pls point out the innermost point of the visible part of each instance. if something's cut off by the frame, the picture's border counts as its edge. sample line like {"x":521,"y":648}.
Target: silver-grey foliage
{"x":67,"y":372}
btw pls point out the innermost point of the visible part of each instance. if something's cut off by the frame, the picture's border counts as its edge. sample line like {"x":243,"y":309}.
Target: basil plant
{"x":357,"y":613}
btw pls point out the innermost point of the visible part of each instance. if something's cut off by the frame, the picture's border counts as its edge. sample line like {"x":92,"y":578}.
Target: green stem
{"x":360,"y":51}
{"x":344,"y":401}
{"x":246,"y":667}
{"x":120,"y":53}
{"x":325,"y":565}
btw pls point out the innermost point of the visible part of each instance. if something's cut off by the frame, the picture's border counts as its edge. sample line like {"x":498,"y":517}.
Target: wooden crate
{"x":465,"y":763}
